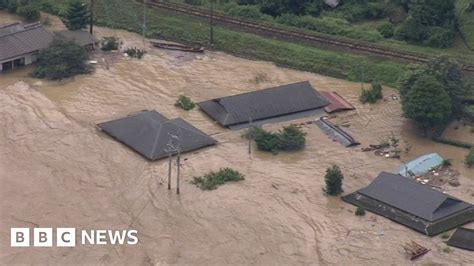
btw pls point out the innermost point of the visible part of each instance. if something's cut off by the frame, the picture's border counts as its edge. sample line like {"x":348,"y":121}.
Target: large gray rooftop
{"x":412,"y":197}
{"x":17,"y":40}
{"x":264,"y":104}
{"x":148,"y":133}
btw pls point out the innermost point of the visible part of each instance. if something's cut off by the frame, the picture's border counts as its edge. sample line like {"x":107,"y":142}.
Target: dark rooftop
{"x":264,"y":104}
{"x":412,"y":197}
{"x":148,"y":133}
{"x":82,"y":37}
{"x":17,"y":40}
{"x":462,"y":238}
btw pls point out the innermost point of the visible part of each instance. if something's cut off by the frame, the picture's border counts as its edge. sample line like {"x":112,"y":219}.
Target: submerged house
{"x":20,"y":44}
{"x":280,"y":103}
{"x":412,"y":204}
{"x":420,"y":165}
{"x":154,"y":136}
{"x":81,"y":37}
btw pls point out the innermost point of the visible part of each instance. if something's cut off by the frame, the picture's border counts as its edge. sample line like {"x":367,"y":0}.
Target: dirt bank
{"x":57,"y":170}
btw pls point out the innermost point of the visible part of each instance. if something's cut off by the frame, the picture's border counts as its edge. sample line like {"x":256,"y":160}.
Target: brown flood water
{"x":57,"y":170}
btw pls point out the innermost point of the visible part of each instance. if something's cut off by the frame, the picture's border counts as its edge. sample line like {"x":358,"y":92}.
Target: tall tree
{"x":76,"y":16}
{"x":333,"y":179}
{"x":426,"y":102}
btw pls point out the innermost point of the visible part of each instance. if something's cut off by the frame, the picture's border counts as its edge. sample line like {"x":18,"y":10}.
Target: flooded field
{"x":58,"y":170}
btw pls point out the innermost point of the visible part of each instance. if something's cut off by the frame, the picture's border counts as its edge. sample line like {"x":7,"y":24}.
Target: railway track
{"x":295,"y":35}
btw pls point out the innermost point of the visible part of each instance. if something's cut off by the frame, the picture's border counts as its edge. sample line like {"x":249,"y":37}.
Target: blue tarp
{"x":420,"y":165}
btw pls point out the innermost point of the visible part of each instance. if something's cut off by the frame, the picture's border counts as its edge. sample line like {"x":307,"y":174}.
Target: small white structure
{"x":20,"y":44}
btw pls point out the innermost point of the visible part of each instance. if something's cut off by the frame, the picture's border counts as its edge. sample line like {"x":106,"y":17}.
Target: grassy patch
{"x":213,"y":180}
{"x":360,"y":211}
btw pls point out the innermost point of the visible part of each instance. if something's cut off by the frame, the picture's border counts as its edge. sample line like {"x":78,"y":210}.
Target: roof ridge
{"x":180,"y":127}
{"x":39,"y":25}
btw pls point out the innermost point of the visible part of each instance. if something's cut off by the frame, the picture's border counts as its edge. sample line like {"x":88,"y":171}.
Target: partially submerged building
{"x":336,"y":133}
{"x":20,"y":44}
{"x":420,"y":165}
{"x":337,"y":102}
{"x":412,"y":204}
{"x":154,"y":136}
{"x":276,"y":104}
{"x":462,"y":238}
{"x":81,"y":37}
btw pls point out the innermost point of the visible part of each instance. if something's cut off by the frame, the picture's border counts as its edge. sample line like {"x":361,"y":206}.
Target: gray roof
{"x":148,"y":134}
{"x":264,"y":104}
{"x":336,"y":133}
{"x":462,"y":238}
{"x":16,"y":40}
{"x":412,"y":197}
{"x":82,"y":37}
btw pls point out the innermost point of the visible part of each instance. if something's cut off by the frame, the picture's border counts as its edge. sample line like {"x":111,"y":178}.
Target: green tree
{"x":76,"y":16}
{"x":333,"y":179}
{"x":62,"y":59}
{"x":427,"y":103}
{"x":292,"y":138}
{"x":433,"y":12}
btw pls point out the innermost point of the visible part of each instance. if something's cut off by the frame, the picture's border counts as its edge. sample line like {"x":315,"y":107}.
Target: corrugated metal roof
{"x":83,"y":38}
{"x":336,"y":133}
{"x":412,"y":197}
{"x":264,"y":104}
{"x":420,"y":165}
{"x":27,"y":40}
{"x":148,"y":133}
{"x":337,"y":102}
{"x":462,"y":238}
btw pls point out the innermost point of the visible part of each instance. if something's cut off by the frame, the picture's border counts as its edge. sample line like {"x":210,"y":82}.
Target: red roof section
{"x":337,"y":102}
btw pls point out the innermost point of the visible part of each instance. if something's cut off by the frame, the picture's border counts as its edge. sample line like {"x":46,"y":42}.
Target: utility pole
{"x":178,"y":165}
{"x":169,"y":171}
{"x":91,"y":28}
{"x":362,"y":77}
{"x":250,"y":136}
{"x":144,"y":22}
{"x":211,"y":22}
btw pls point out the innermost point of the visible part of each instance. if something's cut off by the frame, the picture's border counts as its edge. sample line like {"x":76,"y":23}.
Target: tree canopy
{"x":63,"y":59}
{"x":76,"y":16}
{"x":426,"y":102}
{"x":333,"y":179}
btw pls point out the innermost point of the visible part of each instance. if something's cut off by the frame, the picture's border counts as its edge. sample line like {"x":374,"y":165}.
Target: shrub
{"x":329,"y":25}
{"x":360,"y":211}
{"x":410,"y":30}
{"x":62,"y":59}
{"x":386,"y":29}
{"x":360,"y":10}
{"x":372,"y":95}
{"x":28,"y":12}
{"x":212,"y":180}
{"x":290,"y":138}
{"x":245,"y":11}
{"x":3,"y":4}
{"x":470,"y":158}
{"x":184,"y":103}
{"x":445,"y":236}
{"x":439,"y":37}
{"x":333,"y":179}
{"x":12,"y":6}
{"x":135,"y":52}
{"x":193,"y":2}
{"x":110,"y":43}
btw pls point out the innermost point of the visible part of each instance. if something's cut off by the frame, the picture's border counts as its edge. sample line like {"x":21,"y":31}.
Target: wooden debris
{"x":415,"y":250}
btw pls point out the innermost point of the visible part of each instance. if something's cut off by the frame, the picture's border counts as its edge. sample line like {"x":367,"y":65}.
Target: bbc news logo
{"x":66,"y":237}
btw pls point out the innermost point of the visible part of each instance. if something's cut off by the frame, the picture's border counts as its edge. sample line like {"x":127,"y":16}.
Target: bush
{"x":360,"y":10}
{"x":3,"y":4}
{"x":360,"y":211}
{"x":62,"y":59}
{"x":470,"y":158}
{"x":184,"y":103}
{"x":110,"y":43}
{"x":386,"y":29}
{"x":439,"y":37}
{"x":329,"y":25}
{"x":245,"y":11}
{"x":12,"y":6}
{"x":193,"y":2}
{"x":212,"y":180}
{"x":290,"y":138}
{"x":333,"y":179}
{"x":135,"y":52}
{"x":372,"y":95}
{"x":28,"y":12}
{"x":410,"y":30}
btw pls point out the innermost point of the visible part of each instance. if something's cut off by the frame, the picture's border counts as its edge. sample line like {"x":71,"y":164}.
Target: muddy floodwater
{"x":58,"y":170}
